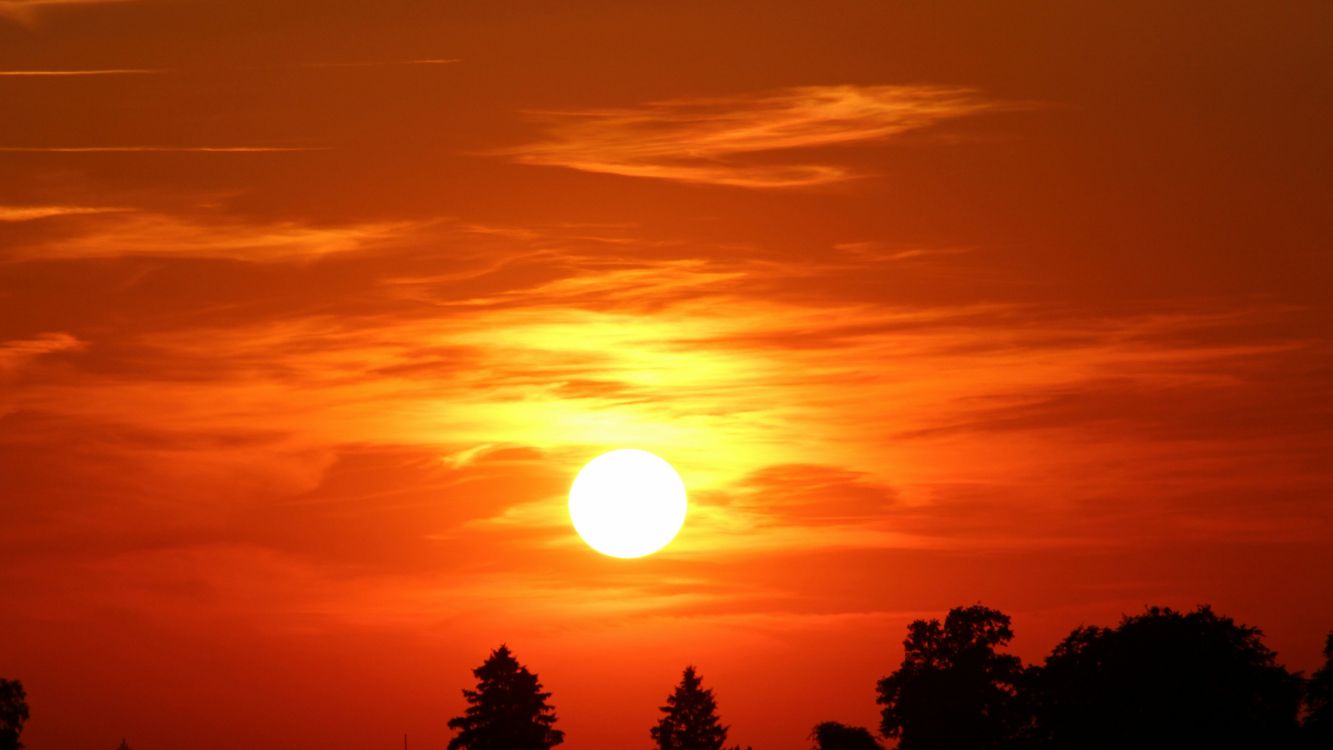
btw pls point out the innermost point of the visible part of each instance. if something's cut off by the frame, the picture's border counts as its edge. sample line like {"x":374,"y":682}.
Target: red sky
{"x":309,"y":313}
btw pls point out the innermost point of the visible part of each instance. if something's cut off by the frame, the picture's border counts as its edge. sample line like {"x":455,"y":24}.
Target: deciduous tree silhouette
{"x":1165,"y":679}
{"x":690,"y":721}
{"x":507,"y":711}
{"x":1318,"y":728}
{"x":830,"y":735}
{"x":13,"y":713}
{"x":953,"y":690}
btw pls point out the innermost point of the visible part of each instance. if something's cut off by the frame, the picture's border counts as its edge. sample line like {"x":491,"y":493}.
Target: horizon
{"x":310,"y":316}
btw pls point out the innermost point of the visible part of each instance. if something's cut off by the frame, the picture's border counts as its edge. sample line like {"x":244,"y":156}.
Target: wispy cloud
{"x":71,"y":73}
{"x":18,"y":351}
{"x":126,"y":233}
{"x":712,"y":140}
{"x":383,"y":63}
{"x":32,"y":213}
{"x":26,"y":11}
{"x":160,"y":149}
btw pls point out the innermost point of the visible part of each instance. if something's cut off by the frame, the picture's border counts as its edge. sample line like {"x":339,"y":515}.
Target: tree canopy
{"x":1165,"y":679}
{"x":507,"y":711}
{"x":689,"y":720}
{"x":953,"y":689}
{"x":831,"y":735}
{"x":1319,"y":702}
{"x":13,"y":713}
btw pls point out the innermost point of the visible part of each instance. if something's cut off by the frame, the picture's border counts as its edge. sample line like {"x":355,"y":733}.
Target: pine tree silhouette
{"x":507,"y":711}
{"x":690,"y":721}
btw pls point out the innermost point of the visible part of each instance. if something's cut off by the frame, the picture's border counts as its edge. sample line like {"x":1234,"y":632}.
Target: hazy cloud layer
{"x":299,"y":349}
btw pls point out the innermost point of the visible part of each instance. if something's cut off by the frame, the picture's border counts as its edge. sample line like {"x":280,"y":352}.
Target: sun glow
{"x":627,"y":503}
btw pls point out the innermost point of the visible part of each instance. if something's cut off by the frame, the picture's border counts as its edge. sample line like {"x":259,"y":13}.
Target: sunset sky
{"x":311,"y":311}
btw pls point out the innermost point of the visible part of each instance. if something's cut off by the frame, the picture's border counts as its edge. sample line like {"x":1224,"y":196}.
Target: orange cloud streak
{"x":706,"y":140}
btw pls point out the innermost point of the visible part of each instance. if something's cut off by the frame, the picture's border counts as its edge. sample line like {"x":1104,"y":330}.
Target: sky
{"x":310,"y":312}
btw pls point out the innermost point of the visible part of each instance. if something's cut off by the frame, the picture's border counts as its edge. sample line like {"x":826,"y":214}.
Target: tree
{"x":690,"y":721}
{"x":123,"y":744}
{"x":1165,"y":679}
{"x":830,"y":735}
{"x":507,"y":711}
{"x":953,"y":690}
{"x":13,"y":713}
{"x":1318,"y":727}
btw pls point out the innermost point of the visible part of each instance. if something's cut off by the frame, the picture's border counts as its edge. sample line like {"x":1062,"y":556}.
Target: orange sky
{"x":310,"y":311}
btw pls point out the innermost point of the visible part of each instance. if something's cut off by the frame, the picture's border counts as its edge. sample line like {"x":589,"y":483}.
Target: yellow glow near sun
{"x":627,"y":503}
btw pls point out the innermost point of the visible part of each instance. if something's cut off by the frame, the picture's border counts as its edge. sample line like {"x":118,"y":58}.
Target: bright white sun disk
{"x":627,"y":503}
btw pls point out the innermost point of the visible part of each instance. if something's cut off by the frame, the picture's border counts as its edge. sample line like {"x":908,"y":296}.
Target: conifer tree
{"x":507,"y":711}
{"x":690,"y":721}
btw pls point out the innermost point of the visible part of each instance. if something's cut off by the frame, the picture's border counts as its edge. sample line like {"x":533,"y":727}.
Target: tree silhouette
{"x":123,"y":744}
{"x":690,"y":721}
{"x":830,"y":735}
{"x":1318,"y":729}
{"x":507,"y":711}
{"x":1165,"y":679}
{"x":953,"y":690}
{"x":13,"y":713}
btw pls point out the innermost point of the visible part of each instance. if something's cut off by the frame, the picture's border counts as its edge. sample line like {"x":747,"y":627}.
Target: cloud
{"x":68,"y":73}
{"x":383,"y":63}
{"x":159,"y":149}
{"x":18,"y":351}
{"x":32,"y":213}
{"x":428,"y":388}
{"x":128,"y":233}
{"x":715,"y":140}
{"x":27,"y":11}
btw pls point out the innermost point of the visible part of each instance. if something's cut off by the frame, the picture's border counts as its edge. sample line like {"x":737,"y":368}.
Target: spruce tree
{"x":690,"y":721}
{"x":507,"y":711}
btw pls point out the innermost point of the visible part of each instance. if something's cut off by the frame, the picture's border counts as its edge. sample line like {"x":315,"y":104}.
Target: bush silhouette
{"x":1164,"y":679}
{"x":13,"y":713}
{"x":953,"y":690}
{"x":830,"y":735}
{"x":690,"y":719}
{"x":507,"y":711}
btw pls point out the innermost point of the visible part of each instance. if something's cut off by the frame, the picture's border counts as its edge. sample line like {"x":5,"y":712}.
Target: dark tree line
{"x":1161,"y":679}
{"x":1158,"y":680}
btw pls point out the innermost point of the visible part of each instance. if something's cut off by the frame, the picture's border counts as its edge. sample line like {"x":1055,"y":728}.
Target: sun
{"x":627,"y":503}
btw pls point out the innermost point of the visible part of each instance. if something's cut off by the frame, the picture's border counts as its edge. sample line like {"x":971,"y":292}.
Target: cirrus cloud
{"x":714,"y":140}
